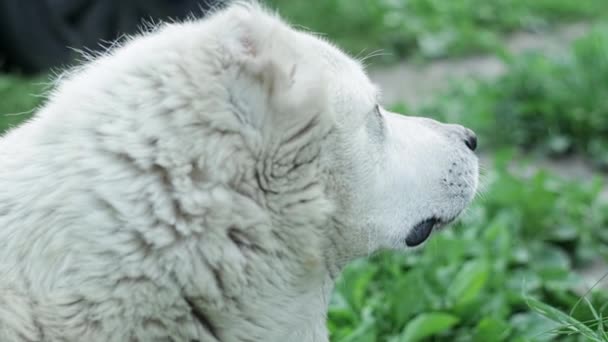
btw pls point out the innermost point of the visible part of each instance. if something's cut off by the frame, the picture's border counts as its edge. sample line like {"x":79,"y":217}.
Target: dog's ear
{"x":278,"y":87}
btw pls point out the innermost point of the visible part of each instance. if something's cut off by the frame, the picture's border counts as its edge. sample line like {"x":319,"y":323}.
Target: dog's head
{"x":389,"y":179}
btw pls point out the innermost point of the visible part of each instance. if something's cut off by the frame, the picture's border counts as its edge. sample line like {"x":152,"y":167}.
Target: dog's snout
{"x":470,"y":140}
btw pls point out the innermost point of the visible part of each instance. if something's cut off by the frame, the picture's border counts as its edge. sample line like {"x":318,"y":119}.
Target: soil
{"x":414,"y":83}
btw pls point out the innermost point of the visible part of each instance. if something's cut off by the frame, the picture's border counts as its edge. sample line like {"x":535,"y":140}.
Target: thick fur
{"x":207,"y":182}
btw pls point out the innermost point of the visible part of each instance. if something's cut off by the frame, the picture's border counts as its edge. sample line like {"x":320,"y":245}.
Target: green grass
{"x":430,"y":28}
{"x":18,"y":97}
{"x":552,"y":104}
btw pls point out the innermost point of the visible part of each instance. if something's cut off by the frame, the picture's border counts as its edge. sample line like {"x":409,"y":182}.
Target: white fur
{"x":207,"y":182}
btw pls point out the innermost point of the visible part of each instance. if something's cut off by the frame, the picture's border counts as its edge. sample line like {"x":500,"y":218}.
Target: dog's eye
{"x":376,"y":123}
{"x":377,"y":110}
{"x":378,"y":114}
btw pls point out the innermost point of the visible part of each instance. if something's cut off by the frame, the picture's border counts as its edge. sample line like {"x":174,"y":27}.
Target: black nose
{"x":471,"y":140}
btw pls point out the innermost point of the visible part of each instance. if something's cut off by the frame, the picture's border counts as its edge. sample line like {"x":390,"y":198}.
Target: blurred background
{"x":527,"y":262}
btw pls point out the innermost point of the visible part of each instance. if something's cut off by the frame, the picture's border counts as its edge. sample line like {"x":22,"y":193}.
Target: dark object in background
{"x":35,"y":34}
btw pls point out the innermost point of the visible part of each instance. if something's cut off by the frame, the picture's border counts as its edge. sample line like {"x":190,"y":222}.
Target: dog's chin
{"x":422,"y":231}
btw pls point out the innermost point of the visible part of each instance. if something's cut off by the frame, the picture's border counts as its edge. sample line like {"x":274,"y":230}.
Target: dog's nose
{"x":470,"y":140}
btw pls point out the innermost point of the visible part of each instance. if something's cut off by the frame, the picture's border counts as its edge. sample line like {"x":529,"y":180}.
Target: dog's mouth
{"x":422,"y":230}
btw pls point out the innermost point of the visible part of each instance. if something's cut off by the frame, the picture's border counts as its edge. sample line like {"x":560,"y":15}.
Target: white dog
{"x":208,"y":182}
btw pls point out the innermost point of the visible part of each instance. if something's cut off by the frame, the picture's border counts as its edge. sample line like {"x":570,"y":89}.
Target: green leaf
{"x":548,"y":258}
{"x":354,"y":282}
{"x":365,"y":332}
{"x":533,"y":327}
{"x":469,"y":282}
{"x":491,"y":329}
{"x":409,"y":300}
{"x":428,"y":324}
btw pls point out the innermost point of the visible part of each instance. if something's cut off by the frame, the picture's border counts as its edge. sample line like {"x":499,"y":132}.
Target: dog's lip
{"x":422,"y":230}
